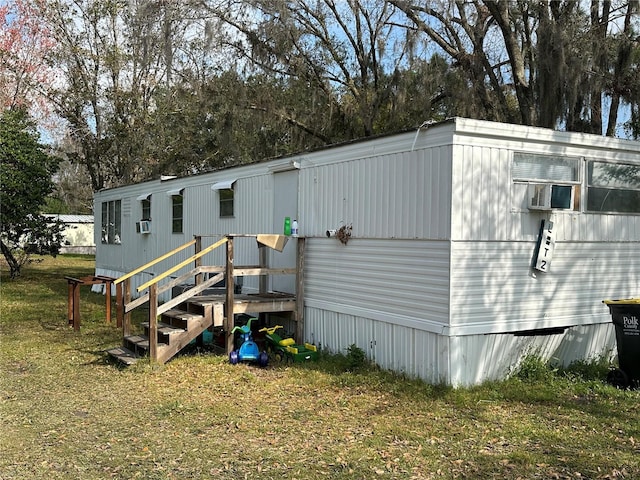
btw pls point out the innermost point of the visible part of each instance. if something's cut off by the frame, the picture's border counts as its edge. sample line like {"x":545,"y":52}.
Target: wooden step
{"x":139,"y":345}
{"x":124,"y":355}
{"x":165,"y":331}
{"x":176,"y":330}
{"x":181,"y":319}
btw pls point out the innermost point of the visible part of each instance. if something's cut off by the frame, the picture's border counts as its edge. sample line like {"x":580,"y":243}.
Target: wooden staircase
{"x":173,"y":325}
{"x":175,"y":330}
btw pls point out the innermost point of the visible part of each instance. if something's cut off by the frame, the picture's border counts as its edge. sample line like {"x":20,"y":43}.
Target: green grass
{"x":67,"y":412}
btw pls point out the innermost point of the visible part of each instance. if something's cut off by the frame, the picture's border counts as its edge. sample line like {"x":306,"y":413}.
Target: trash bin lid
{"x":627,"y":301}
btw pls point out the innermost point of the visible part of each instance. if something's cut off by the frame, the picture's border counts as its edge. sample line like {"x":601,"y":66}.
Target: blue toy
{"x":249,"y":351}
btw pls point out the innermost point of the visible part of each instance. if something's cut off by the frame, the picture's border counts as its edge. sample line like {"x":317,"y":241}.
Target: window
{"x":177,"y":209}
{"x":613,"y":187}
{"x":145,"y":202}
{"x":111,"y":221}
{"x":545,"y":168}
{"x":225,"y":195}
{"x":226,"y":202}
{"x":146,"y":209}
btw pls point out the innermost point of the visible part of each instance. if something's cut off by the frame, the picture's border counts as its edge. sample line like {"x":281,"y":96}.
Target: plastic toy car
{"x":287,"y":349}
{"x":248,"y":351}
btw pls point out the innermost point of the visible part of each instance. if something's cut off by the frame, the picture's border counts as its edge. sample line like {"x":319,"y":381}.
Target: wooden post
{"x":126,"y":326}
{"x":263,"y":281}
{"x":73,"y":302}
{"x":153,"y":322}
{"x":69,"y":302}
{"x":229,"y":320}
{"x":119,"y":305}
{"x":299,"y":313}
{"x":198,"y":261}
{"x":76,"y":307}
{"x":108,"y":296}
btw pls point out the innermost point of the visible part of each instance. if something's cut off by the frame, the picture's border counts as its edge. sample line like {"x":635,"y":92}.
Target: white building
{"x":438,"y":279}
{"x":78,"y":233}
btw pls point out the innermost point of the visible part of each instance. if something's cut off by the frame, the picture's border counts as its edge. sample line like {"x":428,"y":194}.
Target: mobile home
{"x":472,"y":243}
{"x":78,"y":233}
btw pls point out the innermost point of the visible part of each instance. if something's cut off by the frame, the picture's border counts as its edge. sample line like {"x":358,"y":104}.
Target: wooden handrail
{"x":228,"y":272}
{"x":166,"y":273}
{"x":153,"y":262}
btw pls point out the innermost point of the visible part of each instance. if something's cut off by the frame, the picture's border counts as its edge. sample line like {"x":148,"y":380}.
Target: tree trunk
{"x":14,"y":266}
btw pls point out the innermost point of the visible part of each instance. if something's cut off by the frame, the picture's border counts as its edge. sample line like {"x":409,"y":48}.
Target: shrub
{"x":533,"y":369}
{"x":356,"y":358}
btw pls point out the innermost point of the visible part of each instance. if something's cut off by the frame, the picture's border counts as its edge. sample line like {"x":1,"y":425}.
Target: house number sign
{"x":546,"y":245}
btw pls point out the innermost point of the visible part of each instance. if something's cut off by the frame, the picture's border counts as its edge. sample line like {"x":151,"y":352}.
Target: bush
{"x":533,"y":369}
{"x":587,"y":370}
{"x":356,"y":358}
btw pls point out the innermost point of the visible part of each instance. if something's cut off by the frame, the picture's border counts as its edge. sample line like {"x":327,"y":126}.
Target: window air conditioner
{"x":143,"y":226}
{"x":539,"y":196}
{"x":545,"y":196}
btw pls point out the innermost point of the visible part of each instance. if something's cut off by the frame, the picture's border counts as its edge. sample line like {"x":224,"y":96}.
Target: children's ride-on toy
{"x":248,"y":351}
{"x":286,"y":348}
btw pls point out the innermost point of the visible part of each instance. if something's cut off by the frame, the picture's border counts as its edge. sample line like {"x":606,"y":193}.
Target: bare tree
{"x":350,"y":53}
{"x":114,"y":57}
{"x":549,"y":63}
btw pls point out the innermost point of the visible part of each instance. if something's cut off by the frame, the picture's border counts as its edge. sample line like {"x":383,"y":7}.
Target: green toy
{"x":287,"y":349}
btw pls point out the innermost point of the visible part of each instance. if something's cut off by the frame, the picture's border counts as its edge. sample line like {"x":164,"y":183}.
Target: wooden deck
{"x":175,"y":323}
{"x":252,"y":303}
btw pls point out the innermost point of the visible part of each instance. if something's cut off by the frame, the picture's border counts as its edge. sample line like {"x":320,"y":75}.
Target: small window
{"x":225,"y":196}
{"x":613,"y":187}
{"x":111,"y":222}
{"x":177,"y":209}
{"x":146,"y":209}
{"x":226,"y":202}
{"x":545,"y":168}
{"x":145,"y":202}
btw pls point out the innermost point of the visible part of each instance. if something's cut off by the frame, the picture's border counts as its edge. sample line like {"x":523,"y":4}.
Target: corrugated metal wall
{"x":458,"y":360}
{"x":493,"y":288}
{"x":478,"y":358}
{"x":253,"y":211}
{"x":403,"y":281}
{"x":415,"y":353}
{"x":398,"y":195}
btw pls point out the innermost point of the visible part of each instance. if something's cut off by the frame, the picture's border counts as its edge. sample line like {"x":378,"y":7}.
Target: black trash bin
{"x":626,"y":319}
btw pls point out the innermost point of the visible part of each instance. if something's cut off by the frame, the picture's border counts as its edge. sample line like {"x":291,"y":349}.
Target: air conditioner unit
{"x":539,"y":195}
{"x":143,"y":226}
{"x":545,"y":196}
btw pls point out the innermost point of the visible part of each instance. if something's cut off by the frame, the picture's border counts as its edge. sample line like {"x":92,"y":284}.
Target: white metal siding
{"x":398,"y":195}
{"x":493,"y":288}
{"x":488,"y":205}
{"x":253,"y":207}
{"x":478,"y":358}
{"x":400,"y":281}
{"x":481,"y":204}
{"x":415,"y":353}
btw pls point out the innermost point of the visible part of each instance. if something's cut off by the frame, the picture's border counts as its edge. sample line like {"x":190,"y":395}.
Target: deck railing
{"x":123,"y":288}
{"x":125,"y":304}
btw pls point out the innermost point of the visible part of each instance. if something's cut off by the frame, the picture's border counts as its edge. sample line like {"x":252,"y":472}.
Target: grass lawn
{"x":66,"y":412}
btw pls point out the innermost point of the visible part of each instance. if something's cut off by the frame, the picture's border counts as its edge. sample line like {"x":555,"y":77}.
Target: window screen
{"x":146,"y":208}
{"x":546,"y":168}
